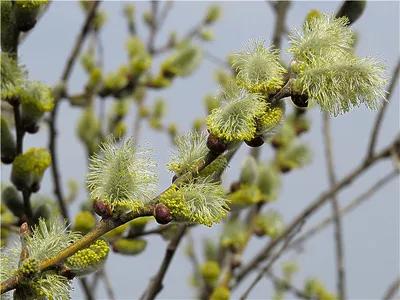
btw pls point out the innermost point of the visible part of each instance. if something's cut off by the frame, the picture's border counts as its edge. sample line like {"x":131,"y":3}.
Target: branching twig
{"x":286,"y":285}
{"x":308,"y":211}
{"x":269,"y":265}
{"x":379,"y":117}
{"x":393,"y":288}
{"x":155,"y":285}
{"x":348,"y":208}
{"x":53,"y":116}
{"x":335,"y":209}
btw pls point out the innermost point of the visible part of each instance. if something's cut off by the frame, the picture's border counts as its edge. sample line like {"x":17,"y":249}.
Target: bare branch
{"x":309,"y":210}
{"x":269,"y":265}
{"x":379,"y":117}
{"x":155,"y":285}
{"x":392,"y":290}
{"x":335,"y":209}
{"x":348,"y":208}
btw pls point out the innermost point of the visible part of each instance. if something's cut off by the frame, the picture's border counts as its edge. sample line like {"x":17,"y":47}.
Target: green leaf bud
{"x":271,"y":223}
{"x":36,"y":99}
{"x":220,"y":293}
{"x":211,"y":103}
{"x":173,"y":129}
{"x":182,"y":62}
{"x":210,"y":249}
{"x":116,"y":80}
{"x":148,"y":18}
{"x":210,"y":271}
{"x":139,"y":94}
{"x":222,"y":77}
{"x":213,"y":14}
{"x":159,"y":108}
{"x":100,"y":19}
{"x":87,"y":61}
{"x":198,"y":124}
{"x":12,"y":199}
{"x":207,"y":34}
{"x":155,"y":123}
{"x":73,"y":190}
{"x":135,"y":46}
{"x":94,"y":78}
{"x":129,"y":11}
{"x":88,"y":129}
{"x":249,"y":171}
{"x":8,"y":148}
{"x":234,"y":234}
{"x":88,"y":260}
{"x":84,"y":222}
{"x":114,"y":234}
{"x":129,"y":246}
{"x":144,"y":111}
{"x":140,"y":63}
{"x":26,"y":13}
{"x":268,"y":182}
{"x":246,"y":195}
{"x":160,"y":81}
{"x":293,"y":157}
{"x":28,"y":168}
{"x":120,"y":130}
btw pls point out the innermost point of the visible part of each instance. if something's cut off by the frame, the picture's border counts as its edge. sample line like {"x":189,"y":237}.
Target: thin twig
{"x":330,"y":165}
{"x":153,"y":27}
{"x":392,"y":290}
{"x":53,"y":116}
{"x":379,"y":117}
{"x":282,"y":283}
{"x":27,"y":205}
{"x":309,"y":210}
{"x":164,"y":13}
{"x":281,"y":8}
{"x":271,"y":262}
{"x":155,"y":285}
{"x":348,"y":208}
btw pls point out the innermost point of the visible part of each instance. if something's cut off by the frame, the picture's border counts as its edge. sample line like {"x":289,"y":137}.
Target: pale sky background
{"x":371,"y":234}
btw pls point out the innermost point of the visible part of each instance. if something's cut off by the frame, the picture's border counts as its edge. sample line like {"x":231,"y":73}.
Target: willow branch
{"x":393,"y":288}
{"x":379,"y":117}
{"x":309,"y":210}
{"x":156,"y":285}
{"x":282,"y":283}
{"x":53,"y":116}
{"x":348,"y":208}
{"x":341,"y":285}
{"x":269,"y":265}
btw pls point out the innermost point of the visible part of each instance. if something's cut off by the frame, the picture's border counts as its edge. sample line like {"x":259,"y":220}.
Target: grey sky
{"x":371,"y":233}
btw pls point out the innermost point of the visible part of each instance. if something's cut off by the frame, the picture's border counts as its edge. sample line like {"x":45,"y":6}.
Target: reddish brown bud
{"x":258,"y":231}
{"x":285,"y":169}
{"x":255,"y":142}
{"x":102,"y":209}
{"x":300,"y":100}
{"x":275,"y":144}
{"x":235,"y":186}
{"x":24,"y":228}
{"x":31,"y":128}
{"x":162,"y":214}
{"x":215,"y":145}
